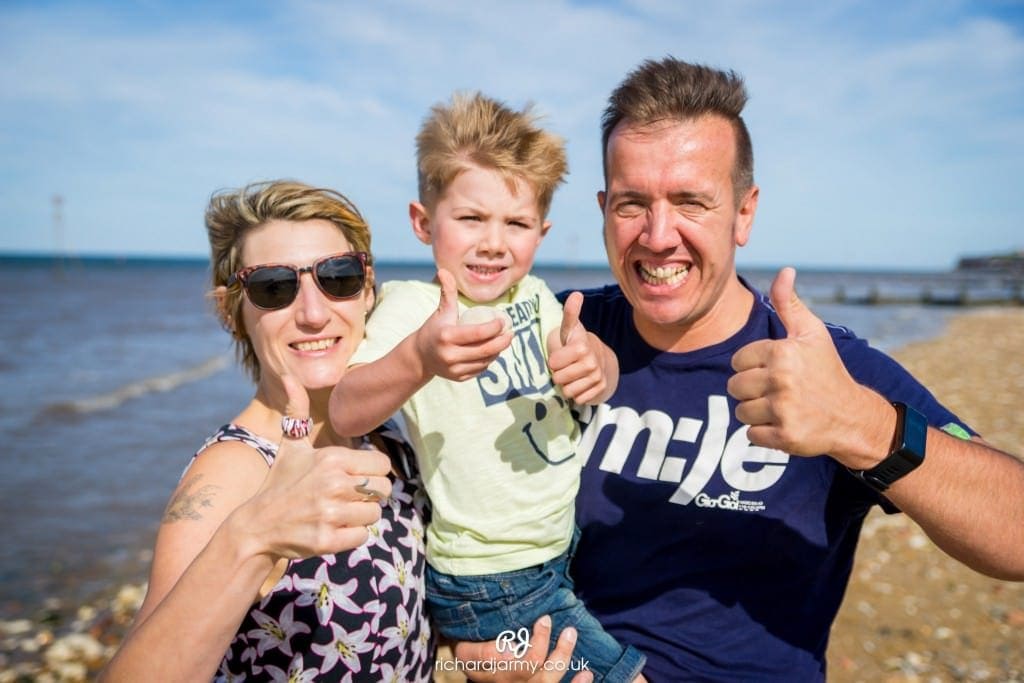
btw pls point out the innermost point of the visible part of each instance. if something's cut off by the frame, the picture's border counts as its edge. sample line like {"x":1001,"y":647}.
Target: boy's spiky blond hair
{"x":476,"y":129}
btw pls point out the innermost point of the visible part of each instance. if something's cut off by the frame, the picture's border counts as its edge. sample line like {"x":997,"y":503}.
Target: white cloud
{"x":875,"y":125}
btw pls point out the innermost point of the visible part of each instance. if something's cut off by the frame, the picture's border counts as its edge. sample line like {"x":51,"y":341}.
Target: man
{"x":727,"y":478}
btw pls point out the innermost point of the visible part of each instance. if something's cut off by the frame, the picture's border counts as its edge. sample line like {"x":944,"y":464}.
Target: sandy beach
{"x":911,"y":613}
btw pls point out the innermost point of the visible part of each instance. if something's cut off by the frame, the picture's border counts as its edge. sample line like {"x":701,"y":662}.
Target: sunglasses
{"x":272,"y":286}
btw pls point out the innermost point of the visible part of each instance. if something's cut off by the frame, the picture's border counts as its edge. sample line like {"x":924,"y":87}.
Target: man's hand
{"x":797,"y":396}
{"x":580,"y":363}
{"x":453,"y":351}
{"x":539,"y":665}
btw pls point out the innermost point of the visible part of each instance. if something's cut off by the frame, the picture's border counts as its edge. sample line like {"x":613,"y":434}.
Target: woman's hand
{"x":536,"y":666}
{"x":308,"y":504}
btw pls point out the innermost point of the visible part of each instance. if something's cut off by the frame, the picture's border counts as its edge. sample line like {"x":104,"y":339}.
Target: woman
{"x":230,"y":594}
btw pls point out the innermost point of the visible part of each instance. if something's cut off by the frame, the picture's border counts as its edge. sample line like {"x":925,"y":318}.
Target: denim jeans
{"x":479,"y":608}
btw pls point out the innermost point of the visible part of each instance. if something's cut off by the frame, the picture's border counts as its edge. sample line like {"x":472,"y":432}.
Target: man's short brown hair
{"x":672,"y":89}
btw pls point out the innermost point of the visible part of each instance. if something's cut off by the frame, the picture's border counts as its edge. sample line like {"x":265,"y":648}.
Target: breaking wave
{"x":151,"y":385}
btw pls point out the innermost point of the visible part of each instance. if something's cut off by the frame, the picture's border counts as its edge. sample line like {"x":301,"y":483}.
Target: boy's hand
{"x":453,"y":351}
{"x":579,"y":361}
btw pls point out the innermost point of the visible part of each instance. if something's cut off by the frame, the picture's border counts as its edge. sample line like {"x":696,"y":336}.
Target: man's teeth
{"x":663,"y":275}
{"x":318,"y":345}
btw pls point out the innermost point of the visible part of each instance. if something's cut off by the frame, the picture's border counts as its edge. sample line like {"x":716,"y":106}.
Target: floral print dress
{"x":353,"y":616}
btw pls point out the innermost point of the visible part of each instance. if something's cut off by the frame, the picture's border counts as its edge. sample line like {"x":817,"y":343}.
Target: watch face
{"x":915,"y":435}
{"x":908,"y":453}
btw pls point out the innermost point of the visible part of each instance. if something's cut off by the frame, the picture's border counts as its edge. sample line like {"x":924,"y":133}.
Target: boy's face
{"x":482,"y":232}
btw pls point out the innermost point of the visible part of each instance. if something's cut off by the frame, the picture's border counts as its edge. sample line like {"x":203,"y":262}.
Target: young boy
{"x":487,"y":403}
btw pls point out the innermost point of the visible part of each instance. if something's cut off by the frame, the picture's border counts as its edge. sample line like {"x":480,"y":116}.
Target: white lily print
{"x":396,"y":573}
{"x":273,"y":633}
{"x":399,"y":496}
{"x":418,"y":648}
{"x":320,"y":591}
{"x":249,"y":655}
{"x":369,"y":634}
{"x":283,"y":584}
{"x":224,"y":675}
{"x":346,"y":647}
{"x":413,"y":540}
{"x":389,"y":674}
{"x":395,"y":636}
{"x":377,"y":530}
{"x":360,"y":554}
{"x":377,"y":609}
{"x":295,"y":674}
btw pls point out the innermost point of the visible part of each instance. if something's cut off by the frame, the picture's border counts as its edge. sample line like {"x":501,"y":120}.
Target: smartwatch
{"x":905,"y":454}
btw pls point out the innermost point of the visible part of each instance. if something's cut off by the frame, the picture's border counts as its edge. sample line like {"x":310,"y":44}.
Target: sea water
{"x":113,"y":372}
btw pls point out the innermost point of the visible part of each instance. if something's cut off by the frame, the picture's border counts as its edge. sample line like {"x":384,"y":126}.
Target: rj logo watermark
{"x":516,"y":643}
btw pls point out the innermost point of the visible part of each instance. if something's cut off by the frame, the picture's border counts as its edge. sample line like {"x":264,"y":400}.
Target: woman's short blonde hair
{"x":233,"y":214}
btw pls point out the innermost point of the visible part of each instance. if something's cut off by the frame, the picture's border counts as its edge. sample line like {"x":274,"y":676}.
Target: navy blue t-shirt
{"x":719,"y":560}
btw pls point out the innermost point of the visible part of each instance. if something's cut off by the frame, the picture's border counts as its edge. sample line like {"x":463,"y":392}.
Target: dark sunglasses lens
{"x":341,"y":277}
{"x":272,"y":287}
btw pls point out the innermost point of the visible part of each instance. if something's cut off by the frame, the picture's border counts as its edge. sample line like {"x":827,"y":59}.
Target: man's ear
{"x":745,"y":215}
{"x":545,"y":226}
{"x":420,"y":219}
{"x":601,"y":196}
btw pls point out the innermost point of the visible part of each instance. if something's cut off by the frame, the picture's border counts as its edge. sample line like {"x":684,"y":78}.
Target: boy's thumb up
{"x":448,"y":306}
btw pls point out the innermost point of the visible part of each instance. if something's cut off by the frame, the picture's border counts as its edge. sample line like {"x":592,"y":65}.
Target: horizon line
{"x":183,"y":259}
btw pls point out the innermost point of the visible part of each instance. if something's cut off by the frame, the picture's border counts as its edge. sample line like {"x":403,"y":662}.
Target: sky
{"x":886,"y":134}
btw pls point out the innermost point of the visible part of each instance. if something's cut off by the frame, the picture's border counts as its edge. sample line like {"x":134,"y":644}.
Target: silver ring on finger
{"x":369,"y":494}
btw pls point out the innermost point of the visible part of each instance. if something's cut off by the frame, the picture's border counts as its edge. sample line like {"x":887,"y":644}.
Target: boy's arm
{"x":369,"y":394}
{"x":581,"y":364}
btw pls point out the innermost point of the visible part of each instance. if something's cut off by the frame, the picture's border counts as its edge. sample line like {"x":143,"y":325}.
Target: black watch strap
{"x":906,"y":453}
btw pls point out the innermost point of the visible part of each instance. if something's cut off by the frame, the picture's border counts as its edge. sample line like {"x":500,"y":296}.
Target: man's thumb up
{"x":797,"y":318}
{"x":571,"y":318}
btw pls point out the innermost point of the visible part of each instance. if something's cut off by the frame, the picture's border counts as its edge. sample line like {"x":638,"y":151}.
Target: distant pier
{"x":964,"y":286}
{"x":960,"y":291}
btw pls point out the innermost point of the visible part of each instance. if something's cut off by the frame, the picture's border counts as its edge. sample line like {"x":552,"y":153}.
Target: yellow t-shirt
{"x":497,"y":452}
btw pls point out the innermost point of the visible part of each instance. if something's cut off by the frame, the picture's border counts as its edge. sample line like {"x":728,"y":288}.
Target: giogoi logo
{"x":728,"y":501}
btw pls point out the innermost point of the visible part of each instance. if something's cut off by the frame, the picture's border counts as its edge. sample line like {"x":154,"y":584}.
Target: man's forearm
{"x":969,"y":498}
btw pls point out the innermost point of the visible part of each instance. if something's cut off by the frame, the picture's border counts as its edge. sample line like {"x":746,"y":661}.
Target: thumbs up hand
{"x":314,"y":501}
{"x":453,"y":351}
{"x":585,"y":369}
{"x":795,"y":393}
{"x":296,"y":455}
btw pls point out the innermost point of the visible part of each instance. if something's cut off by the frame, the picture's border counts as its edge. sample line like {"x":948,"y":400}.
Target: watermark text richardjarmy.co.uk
{"x":516,"y":643}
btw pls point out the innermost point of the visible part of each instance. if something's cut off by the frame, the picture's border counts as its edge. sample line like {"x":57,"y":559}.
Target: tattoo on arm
{"x":189,"y":501}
